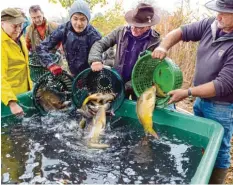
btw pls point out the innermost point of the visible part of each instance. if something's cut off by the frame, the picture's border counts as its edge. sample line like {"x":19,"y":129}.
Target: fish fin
{"x":98,"y":145}
{"x":82,"y":123}
{"x":153,"y":133}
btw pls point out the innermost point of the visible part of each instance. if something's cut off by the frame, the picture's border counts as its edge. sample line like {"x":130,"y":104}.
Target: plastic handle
{"x":144,"y":53}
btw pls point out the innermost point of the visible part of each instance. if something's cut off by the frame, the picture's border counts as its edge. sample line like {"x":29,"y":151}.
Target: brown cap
{"x":143,"y":15}
{"x":12,"y":15}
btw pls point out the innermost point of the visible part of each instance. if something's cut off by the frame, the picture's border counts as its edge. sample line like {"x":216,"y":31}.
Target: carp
{"x":96,"y":128}
{"x":100,"y":98}
{"x":145,"y":107}
{"x":51,"y":101}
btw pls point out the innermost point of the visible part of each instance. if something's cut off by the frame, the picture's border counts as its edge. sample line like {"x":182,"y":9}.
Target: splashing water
{"x":52,"y":149}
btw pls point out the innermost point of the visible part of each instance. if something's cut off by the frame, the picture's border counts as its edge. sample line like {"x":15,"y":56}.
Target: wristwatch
{"x":190,"y":93}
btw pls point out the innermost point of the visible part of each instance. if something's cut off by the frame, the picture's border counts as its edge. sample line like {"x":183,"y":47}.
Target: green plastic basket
{"x":148,"y":71}
{"x":105,"y":81}
{"x":61,"y":84}
{"x":36,"y":69}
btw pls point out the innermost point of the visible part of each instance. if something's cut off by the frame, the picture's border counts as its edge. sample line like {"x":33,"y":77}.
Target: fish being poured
{"x":96,"y":128}
{"x":145,"y":108}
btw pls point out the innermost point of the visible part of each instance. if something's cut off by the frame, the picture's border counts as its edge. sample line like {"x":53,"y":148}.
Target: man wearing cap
{"x":15,"y":71}
{"x":77,"y":37}
{"x":130,"y":40}
{"x":213,"y":81}
{"x":40,"y":28}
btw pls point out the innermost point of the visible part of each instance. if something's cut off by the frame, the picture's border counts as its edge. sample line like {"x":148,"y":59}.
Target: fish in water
{"x":145,"y":107}
{"x":96,"y":128}
{"x":51,"y":101}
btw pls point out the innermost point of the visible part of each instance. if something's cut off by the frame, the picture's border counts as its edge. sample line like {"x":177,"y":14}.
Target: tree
{"x":112,"y":19}
{"x":67,"y":3}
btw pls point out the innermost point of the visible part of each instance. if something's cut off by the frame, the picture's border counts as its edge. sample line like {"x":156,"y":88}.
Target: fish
{"x":94,"y":106}
{"x":100,"y":98}
{"x":51,"y":101}
{"x":144,"y":109}
{"x":96,"y":128}
{"x":159,"y":91}
{"x":142,"y":152}
{"x":86,"y":112}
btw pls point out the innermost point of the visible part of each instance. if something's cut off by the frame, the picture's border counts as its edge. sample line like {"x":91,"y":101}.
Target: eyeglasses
{"x":138,"y":28}
{"x":15,"y":26}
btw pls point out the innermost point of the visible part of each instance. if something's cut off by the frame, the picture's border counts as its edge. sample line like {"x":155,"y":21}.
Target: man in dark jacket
{"x":213,"y":81}
{"x":130,"y":40}
{"x":77,"y":36}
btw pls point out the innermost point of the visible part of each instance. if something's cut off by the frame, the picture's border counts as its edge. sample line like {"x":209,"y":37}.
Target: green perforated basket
{"x":36,"y":69}
{"x":105,"y":81}
{"x":148,"y":71}
{"x":60,"y":85}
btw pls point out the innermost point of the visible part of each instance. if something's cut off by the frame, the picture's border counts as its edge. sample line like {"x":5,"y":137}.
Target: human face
{"x":138,"y":31}
{"x":79,"y":22}
{"x":225,"y":21}
{"x":12,"y":30}
{"x":37,"y":17}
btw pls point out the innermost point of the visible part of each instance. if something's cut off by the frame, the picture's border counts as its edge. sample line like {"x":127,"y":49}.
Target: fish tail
{"x":153,"y":133}
{"x":98,"y":145}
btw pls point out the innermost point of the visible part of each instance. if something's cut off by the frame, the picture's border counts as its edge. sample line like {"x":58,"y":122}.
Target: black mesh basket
{"x":61,"y":85}
{"x":104,"y":81}
{"x":36,"y":69}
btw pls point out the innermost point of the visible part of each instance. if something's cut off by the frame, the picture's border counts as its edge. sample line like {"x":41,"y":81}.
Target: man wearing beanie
{"x":15,"y":71}
{"x":77,"y":36}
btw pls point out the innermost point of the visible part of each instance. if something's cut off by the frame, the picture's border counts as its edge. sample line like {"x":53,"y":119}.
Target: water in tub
{"x":52,"y":149}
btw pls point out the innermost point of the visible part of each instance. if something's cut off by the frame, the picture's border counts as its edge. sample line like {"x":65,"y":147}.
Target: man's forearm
{"x":171,"y":39}
{"x":204,"y":91}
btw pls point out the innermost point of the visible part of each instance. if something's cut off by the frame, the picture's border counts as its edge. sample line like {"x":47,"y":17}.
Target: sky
{"x":53,"y":10}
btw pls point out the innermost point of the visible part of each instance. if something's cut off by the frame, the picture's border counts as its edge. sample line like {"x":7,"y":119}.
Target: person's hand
{"x":159,"y":53}
{"x":128,"y":86}
{"x":97,"y":66}
{"x":55,"y":69}
{"x":177,"y":95}
{"x":15,"y":108}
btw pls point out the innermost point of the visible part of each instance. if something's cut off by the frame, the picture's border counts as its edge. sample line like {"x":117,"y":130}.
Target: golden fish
{"x":145,"y":108}
{"x":100,"y":97}
{"x":51,"y":101}
{"x":96,"y":128}
{"x":159,"y":91}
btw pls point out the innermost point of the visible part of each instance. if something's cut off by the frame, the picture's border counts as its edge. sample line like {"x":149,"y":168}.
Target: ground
{"x":187,"y":105}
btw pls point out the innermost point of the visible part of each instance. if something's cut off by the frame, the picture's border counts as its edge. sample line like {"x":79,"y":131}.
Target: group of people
{"x":84,"y":47}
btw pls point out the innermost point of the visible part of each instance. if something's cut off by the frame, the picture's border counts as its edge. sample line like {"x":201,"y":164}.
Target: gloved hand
{"x":55,"y":69}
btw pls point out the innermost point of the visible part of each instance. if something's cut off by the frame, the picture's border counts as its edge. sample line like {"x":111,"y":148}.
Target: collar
{"x":215,"y":30}
{"x":4,"y":36}
{"x":45,"y":23}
